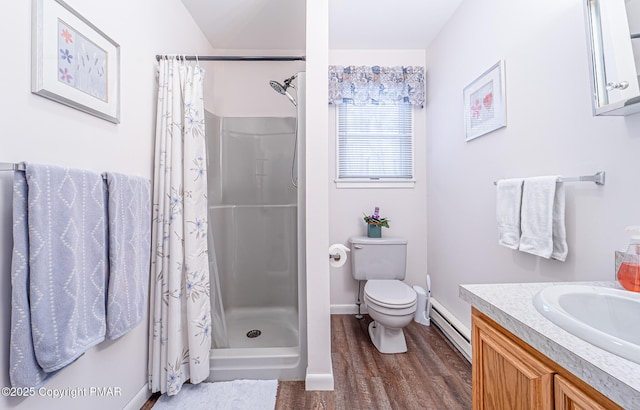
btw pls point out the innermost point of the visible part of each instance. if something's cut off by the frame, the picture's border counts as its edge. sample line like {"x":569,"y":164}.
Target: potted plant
{"x":375,"y":224}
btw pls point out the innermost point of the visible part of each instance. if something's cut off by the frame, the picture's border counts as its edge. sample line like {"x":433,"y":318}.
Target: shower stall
{"x":256,"y":243}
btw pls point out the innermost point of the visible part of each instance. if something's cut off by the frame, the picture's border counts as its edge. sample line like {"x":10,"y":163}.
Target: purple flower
{"x":376,"y":219}
{"x":65,"y":76}
{"x":66,"y":55}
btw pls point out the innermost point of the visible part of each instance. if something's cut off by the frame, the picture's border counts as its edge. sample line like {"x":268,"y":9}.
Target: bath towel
{"x":560,"y":247}
{"x":66,"y":258}
{"x":508,"y":201}
{"x":543,"y":226}
{"x":129,"y":211}
{"x":24,"y":370}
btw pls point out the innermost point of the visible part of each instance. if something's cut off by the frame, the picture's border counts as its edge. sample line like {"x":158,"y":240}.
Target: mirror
{"x":613,"y":34}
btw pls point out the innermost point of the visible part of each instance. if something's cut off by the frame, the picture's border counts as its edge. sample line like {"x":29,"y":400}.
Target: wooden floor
{"x":431,"y":375}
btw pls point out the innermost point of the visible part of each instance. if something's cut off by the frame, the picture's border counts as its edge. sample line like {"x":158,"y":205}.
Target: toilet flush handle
{"x":358,"y":246}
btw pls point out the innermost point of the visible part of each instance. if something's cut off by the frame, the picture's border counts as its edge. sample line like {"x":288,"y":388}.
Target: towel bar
{"x":8,"y":166}
{"x":598,"y":178}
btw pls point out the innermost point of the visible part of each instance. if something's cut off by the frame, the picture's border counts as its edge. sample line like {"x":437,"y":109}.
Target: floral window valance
{"x":376,"y":85}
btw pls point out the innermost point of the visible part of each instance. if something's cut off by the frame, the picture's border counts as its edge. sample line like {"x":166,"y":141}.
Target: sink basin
{"x":605,"y":317}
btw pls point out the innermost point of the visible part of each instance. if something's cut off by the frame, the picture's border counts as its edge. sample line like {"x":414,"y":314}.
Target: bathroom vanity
{"x":522,"y":360}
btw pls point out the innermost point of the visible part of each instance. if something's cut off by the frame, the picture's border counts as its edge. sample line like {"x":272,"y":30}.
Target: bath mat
{"x":236,"y":394}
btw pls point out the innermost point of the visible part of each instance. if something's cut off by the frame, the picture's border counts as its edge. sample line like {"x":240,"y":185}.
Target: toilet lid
{"x":390,"y":293}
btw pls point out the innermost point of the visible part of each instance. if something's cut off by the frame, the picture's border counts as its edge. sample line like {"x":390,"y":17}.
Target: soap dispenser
{"x":629,"y":270}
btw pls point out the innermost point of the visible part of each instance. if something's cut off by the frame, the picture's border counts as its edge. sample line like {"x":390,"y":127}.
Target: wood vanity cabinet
{"x":511,"y":375}
{"x":570,"y":397}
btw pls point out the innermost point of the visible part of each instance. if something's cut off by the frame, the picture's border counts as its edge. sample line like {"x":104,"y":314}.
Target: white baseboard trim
{"x":139,"y":399}
{"x":453,"y":329}
{"x":347,"y":309}
{"x":319,"y":381}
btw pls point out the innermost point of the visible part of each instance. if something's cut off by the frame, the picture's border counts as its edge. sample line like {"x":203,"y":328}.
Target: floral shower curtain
{"x":180,"y":316}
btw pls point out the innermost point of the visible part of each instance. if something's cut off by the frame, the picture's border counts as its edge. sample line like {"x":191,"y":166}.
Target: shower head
{"x":278,"y":87}
{"x":282,"y":89}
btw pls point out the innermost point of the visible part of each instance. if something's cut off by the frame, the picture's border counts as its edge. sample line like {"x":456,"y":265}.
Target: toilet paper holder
{"x":336,"y":256}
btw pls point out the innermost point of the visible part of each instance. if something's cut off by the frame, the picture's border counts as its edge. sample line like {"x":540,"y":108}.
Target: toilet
{"x":391,"y":303}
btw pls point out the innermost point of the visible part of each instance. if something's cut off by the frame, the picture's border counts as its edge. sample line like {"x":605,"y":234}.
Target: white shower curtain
{"x":180,"y":316}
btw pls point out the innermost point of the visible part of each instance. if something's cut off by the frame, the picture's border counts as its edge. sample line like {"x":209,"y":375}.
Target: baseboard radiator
{"x":452,"y":328}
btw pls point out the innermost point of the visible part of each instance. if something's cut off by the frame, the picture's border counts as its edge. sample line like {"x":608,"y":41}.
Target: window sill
{"x":374,"y":184}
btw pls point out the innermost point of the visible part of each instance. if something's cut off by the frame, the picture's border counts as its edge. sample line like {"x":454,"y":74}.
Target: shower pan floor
{"x":278,"y":327}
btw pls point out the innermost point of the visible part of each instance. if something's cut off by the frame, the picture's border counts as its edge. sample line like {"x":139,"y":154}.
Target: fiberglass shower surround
{"x":253,"y":216}
{"x":256,"y":232}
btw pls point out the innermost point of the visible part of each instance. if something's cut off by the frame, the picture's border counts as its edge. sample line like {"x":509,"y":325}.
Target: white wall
{"x":39,"y":130}
{"x":550,"y":130}
{"x":405,"y":207}
{"x":241,"y":88}
{"x":319,"y":370}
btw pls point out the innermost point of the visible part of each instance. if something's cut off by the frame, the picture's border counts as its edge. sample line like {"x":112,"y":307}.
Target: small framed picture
{"x":73,"y":62}
{"x":484,"y":103}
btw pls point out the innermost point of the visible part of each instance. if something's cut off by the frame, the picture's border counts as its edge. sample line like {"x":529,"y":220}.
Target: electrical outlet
{"x":619,"y":257}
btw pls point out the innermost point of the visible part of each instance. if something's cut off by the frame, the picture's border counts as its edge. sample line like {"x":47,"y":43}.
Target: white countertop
{"x":511,"y":306}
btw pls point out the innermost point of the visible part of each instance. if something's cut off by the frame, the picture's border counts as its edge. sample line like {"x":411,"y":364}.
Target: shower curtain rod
{"x":238,"y":58}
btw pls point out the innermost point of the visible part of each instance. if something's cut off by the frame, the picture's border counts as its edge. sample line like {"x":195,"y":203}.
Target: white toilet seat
{"x":373,"y":306}
{"x":390,"y":294}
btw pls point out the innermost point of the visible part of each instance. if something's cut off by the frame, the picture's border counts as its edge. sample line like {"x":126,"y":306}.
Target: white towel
{"x":542,"y":218}
{"x":560,"y":248}
{"x":508,"y":200}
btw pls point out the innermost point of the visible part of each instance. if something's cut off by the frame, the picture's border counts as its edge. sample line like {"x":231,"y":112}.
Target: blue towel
{"x":67,"y":267}
{"x":129,"y":210}
{"x":24,"y":370}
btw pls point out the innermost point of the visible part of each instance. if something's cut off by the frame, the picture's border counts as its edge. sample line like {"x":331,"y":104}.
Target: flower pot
{"x":374,"y":231}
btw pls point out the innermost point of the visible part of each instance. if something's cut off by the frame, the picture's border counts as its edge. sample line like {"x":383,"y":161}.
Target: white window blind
{"x":375,"y":142}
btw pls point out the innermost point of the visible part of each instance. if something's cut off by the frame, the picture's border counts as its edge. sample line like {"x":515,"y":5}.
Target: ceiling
{"x":353,"y":24}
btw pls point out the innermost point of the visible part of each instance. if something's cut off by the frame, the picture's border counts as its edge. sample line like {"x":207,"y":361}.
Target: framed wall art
{"x":73,"y":62}
{"x":484,"y":103}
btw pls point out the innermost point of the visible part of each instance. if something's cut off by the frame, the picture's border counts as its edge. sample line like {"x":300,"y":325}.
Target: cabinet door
{"x":505,"y":376}
{"x":570,"y":397}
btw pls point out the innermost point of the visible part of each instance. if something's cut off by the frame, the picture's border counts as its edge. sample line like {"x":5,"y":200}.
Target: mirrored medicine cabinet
{"x":613,"y":35}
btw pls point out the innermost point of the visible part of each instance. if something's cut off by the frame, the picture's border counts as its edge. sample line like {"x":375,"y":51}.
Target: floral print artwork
{"x":482,"y":105}
{"x":180,"y":322}
{"x":82,"y":64}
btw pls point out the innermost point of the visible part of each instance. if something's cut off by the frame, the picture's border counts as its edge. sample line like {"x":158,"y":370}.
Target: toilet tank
{"x":378,"y":258}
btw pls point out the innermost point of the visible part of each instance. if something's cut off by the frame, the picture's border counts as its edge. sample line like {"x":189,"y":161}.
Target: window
{"x":375,"y":145}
